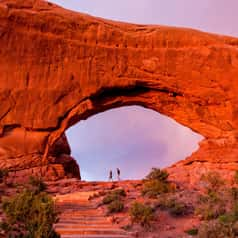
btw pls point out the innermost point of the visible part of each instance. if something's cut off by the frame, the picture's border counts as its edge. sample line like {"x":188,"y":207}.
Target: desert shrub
{"x":219,"y":205}
{"x":227,"y":218}
{"x":175,"y":208}
{"x":209,"y":209}
{"x":141,"y":214}
{"x":101,"y":193}
{"x":113,"y":196}
{"x":226,"y":225}
{"x":110,"y":198}
{"x":156,"y":183}
{"x":97,"y":195}
{"x":3,"y":174}
{"x":127,"y":227}
{"x":37,"y":184}
{"x":119,"y":192}
{"x":217,"y":229}
{"x":231,"y":216}
{"x":212,"y":181}
{"x":236,"y":177}
{"x":212,"y":204}
{"x":192,"y":232}
{"x":157,"y":174}
{"x":31,"y":213}
{"x":113,"y":200}
{"x":234,"y":193}
{"x":115,"y":206}
{"x":152,"y":188}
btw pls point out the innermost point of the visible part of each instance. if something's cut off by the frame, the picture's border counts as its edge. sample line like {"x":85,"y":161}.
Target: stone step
{"x":83,"y":208}
{"x":77,"y":208}
{"x":90,"y":231}
{"x":82,"y":226}
{"x":75,"y":204}
{"x":96,"y":236}
{"x":84,"y":214}
{"x":91,"y":216}
{"x":69,"y":211}
{"x":83,"y":222}
{"x":81,"y":218}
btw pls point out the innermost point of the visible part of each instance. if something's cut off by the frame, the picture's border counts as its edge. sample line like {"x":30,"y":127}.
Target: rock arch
{"x":58,"y":67}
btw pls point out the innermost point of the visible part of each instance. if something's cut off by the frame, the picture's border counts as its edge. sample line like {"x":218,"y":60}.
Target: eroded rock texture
{"x":58,"y":67}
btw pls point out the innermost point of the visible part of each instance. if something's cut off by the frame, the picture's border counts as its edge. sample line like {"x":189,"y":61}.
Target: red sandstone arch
{"x":58,"y":67}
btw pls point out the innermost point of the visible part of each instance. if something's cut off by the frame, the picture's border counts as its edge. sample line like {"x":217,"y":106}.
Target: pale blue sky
{"x":134,"y":138}
{"x":209,"y":15}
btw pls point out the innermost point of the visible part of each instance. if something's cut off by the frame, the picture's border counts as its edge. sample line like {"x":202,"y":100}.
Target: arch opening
{"x":133,"y":138}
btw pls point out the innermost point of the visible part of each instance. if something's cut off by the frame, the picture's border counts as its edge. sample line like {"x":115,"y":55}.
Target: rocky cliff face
{"x":58,"y":67}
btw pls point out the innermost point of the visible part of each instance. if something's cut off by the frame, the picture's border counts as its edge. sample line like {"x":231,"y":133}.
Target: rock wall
{"x":59,"y":67}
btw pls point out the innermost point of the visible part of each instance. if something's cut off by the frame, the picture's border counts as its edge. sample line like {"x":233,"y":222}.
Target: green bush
{"x":141,"y":214}
{"x":212,"y":181}
{"x":211,"y":205}
{"x":214,"y":202}
{"x":37,"y":184}
{"x":119,"y":192}
{"x":113,"y":196}
{"x":113,"y":200}
{"x":115,"y":206}
{"x":192,"y":232}
{"x":152,"y":188}
{"x":30,"y":213}
{"x":156,"y":183}
{"x":3,"y":174}
{"x":225,"y":226}
{"x":234,"y":193}
{"x":231,"y":216}
{"x":157,"y":174}
{"x":236,"y":177}
{"x":110,"y":198}
{"x":175,"y":208}
{"x":220,"y":207}
{"x":210,"y":211}
{"x":216,"y":229}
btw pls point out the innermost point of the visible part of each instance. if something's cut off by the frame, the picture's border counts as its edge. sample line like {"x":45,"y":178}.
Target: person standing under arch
{"x":118,"y":174}
{"x":110,"y":176}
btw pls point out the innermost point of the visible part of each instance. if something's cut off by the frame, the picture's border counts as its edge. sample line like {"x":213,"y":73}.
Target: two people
{"x":118,"y":175}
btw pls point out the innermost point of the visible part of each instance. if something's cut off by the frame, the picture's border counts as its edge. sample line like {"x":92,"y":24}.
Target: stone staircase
{"x":81,"y":218}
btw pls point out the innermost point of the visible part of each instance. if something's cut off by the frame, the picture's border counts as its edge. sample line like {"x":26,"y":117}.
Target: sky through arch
{"x":132,"y":138}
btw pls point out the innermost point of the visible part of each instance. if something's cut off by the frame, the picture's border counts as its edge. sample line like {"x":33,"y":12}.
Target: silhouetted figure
{"x":118,"y":174}
{"x":110,"y":176}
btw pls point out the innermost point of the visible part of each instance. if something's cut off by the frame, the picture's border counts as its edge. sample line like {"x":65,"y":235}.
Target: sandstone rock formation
{"x":59,"y":67}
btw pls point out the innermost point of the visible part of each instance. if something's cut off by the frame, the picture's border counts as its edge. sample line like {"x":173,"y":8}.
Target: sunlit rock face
{"x":58,"y":67}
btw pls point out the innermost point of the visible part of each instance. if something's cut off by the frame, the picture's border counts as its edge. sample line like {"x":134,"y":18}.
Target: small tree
{"x":114,"y":201}
{"x":37,"y":184}
{"x":30,"y":214}
{"x":141,"y":214}
{"x":158,"y":174}
{"x":212,"y":181}
{"x":3,"y":174}
{"x":236,"y":177}
{"x":156,"y":183}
